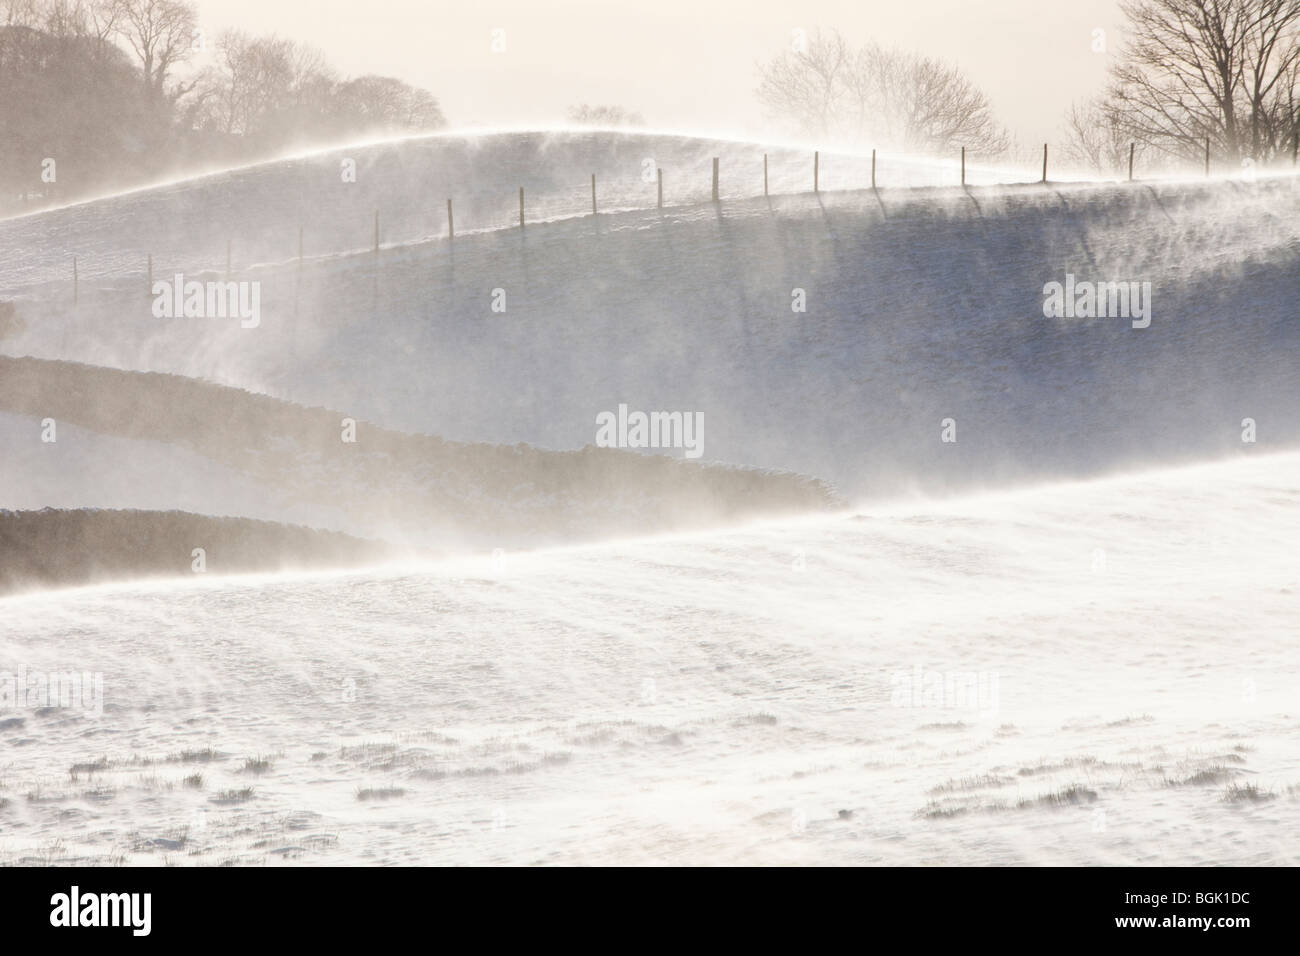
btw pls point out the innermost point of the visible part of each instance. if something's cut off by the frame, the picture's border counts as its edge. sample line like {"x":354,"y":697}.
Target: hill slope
{"x":136,"y":440}
{"x":921,"y":305}
{"x":702,"y":699}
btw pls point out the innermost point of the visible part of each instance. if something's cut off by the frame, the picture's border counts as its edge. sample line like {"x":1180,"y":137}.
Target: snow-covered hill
{"x":1097,"y":673}
{"x":333,"y":196}
{"x":77,"y":436}
{"x":922,"y":305}
{"x":999,"y":654}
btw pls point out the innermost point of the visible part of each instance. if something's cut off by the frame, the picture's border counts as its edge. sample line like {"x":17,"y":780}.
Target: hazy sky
{"x":681,"y":63}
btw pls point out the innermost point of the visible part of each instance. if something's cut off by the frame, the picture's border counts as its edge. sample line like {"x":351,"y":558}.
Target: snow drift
{"x":750,"y":696}
{"x":921,"y":306}
{"x":1085,"y":672}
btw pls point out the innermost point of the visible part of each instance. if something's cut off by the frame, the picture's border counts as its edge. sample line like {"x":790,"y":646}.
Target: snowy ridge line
{"x":67,"y":548}
{"x":922,"y":306}
{"x":919,"y":194}
{"x":1028,"y":158}
{"x":1023,"y":169}
{"x":260,"y":207}
{"x":190,"y":445}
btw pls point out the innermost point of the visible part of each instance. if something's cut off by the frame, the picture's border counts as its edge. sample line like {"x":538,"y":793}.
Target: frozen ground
{"x":921,"y":305}
{"x":987,"y":660}
{"x":409,"y":181}
{"x":1131,"y":644}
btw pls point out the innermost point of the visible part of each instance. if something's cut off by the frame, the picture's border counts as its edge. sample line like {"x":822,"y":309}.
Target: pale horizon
{"x":1032,"y":64}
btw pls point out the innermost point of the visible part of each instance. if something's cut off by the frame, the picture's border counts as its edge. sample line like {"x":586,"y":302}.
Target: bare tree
{"x":1223,"y":70}
{"x":102,"y":18}
{"x":1096,"y":141}
{"x":807,"y":88}
{"x":379,"y":104}
{"x":584,"y":115}
{"x":873,"y":96}
{"x":933,"y":106}
{"x":99,"y":86}
{"x":68,"y":94}
{"x":253,"y":80}
{"x":20,"y":13}
{"x":161,"y":35}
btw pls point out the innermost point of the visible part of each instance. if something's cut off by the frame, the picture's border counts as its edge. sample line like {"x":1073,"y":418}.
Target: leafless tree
{"x":100,"y":87}
{"x":585,"y":115}
{"x":102,"y":18}
{"x":870,"y":95}
{"x":67,"y":93}
{"x":20,"y":13}
{"x":807,"y":88}
{"x":253,"y":79}
{"x":270,"y":92}
{"x":161,"y":35}
{"x":1223,"y":70}
{"x":1097,"y":142}
{"x":383,"y":104}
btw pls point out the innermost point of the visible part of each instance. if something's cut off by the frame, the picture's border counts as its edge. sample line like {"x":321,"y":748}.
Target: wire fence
{"x":742,"y":172}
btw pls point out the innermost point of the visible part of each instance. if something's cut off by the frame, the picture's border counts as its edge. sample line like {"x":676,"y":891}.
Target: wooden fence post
{"x":1131,"y":147}
{"x":816,"y":169}
{"x":451,"y":223}
{"x":873,"y":169}
{"x":963,"y":165}
{"x":715,"y":179}
{"x":1044,"y":162}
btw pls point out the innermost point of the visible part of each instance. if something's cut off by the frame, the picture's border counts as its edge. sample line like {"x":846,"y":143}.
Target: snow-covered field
{"x":1093,"y":673}
{"x":261,"y":207}
{"x":1069,"y":637}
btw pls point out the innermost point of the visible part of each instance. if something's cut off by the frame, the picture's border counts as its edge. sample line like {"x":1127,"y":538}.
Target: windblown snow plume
{"x":518,"y":498}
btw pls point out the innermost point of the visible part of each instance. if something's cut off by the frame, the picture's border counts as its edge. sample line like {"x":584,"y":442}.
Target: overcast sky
{"x":683,"y":64}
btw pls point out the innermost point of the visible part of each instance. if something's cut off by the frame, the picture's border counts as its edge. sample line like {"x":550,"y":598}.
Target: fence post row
{"x":451,"y":220}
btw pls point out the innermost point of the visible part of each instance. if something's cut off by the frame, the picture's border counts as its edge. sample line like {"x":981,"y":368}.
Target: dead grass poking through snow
{"x":1246,"y":793}
{"x":380,"y":793}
